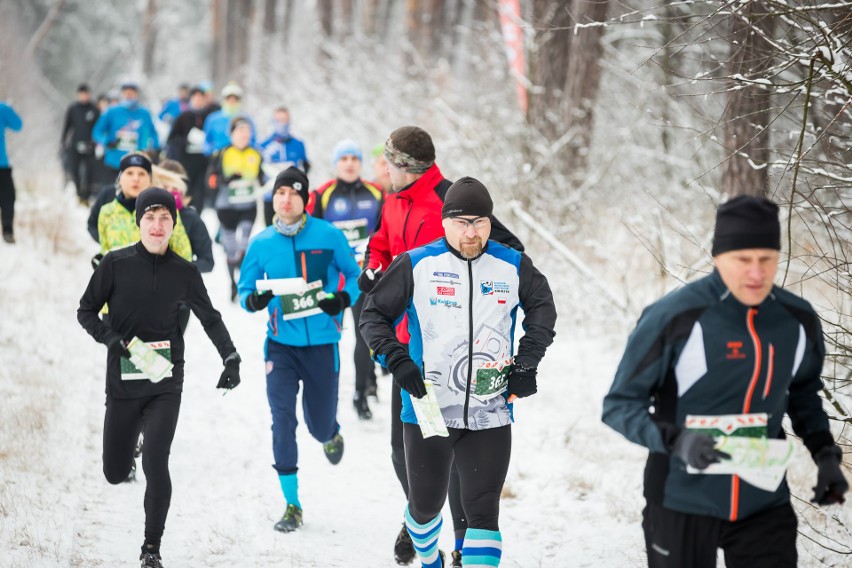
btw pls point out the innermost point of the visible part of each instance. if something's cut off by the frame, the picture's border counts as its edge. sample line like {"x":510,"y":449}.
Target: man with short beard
{"x":461,"y":294}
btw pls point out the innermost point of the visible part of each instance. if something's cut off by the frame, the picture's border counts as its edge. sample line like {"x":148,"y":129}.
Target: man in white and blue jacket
{"x":728,"y":348}
{"x":461,"y":294}
{"x":303,"y":329}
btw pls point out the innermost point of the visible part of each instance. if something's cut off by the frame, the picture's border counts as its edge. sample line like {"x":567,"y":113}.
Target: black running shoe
{"x":151,"y":560}
{"x":334,"y":449}
{"x":291,"y":520}
{"x":456,"y":556}
{"x":403,"y":548}
{"x":361,"y":407}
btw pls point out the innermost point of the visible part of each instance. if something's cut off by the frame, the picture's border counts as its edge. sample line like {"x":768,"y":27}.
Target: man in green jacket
{"x":728,"y":350}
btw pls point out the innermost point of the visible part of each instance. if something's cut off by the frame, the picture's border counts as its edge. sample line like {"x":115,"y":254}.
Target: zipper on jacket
{"x":405,"y":224}
{"x":417,"y":233}
{"x":154,"y":289}
{"x":469,"y":341}
{"x":305,"y":277}
{"x":758,"y":356}
{"x":769,"y":371}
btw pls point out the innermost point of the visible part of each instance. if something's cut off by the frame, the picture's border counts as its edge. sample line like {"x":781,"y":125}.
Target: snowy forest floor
{"x":573,"y":497}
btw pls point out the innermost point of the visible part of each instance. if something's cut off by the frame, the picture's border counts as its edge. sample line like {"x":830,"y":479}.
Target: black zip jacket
{"x":79,"y":121}
{"x":144,"y":292}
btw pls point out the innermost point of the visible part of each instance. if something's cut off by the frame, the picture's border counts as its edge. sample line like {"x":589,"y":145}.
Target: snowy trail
{"x":573,"y":496}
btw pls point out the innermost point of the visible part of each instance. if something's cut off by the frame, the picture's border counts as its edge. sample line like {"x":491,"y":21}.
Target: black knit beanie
{"x":155,"y":197}
{"x":410,"y":149}
{"x":467,"y":197}
{"x":746,"y":222}
{"x":295,"y":178}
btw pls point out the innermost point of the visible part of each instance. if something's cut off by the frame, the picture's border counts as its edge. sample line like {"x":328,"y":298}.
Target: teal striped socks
{"x":290,"y":487}
{"x":425,"y":539}
{"x":482,"y":548}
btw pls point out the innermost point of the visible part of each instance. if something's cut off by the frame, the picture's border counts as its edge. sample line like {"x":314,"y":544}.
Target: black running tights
{"x":156,"y":417}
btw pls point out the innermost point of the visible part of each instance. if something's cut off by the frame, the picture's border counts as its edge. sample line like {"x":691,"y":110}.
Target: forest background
{"x":608,"y":130}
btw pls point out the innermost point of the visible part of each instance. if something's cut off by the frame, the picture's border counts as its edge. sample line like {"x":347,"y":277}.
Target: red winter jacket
{"x":410,"y":218}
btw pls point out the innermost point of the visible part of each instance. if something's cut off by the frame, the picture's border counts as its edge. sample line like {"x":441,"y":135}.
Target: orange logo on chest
{"x":734,"y":350}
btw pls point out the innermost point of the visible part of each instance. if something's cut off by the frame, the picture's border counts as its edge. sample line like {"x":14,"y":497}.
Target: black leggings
{"x":398,"y":459}
{"x":766,"y":539}
{"x":365,"y":368}
{"x":7,"y":201}
{"x":482,"y":459}
{"x":156,"y":417}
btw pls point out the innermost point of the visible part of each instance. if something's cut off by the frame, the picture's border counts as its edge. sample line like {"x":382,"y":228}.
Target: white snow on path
{"x":572,"y":498}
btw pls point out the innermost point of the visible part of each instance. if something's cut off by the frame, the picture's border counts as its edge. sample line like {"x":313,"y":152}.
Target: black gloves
{"x":368,"y":279}
{"x":333,"y":304}
{"x":257,"y":301}
{"x":230,"y":377}
{"x":697,"y":449}
{"x":522,"y":381}
{"x":831,"y":485}
{"x":407,"y":375}
{"x":118,"y":346}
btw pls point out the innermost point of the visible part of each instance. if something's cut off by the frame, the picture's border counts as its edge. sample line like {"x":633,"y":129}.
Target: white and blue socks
{"x":425,"y":539}
{"x":482,"y":548}
{"x":290,"y":487}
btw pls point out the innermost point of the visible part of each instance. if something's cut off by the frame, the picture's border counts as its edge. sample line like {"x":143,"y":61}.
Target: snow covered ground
{"x":572,"y":498}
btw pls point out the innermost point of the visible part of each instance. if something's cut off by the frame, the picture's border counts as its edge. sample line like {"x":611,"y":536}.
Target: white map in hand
{"x":429,"y":416}
{"x":282,"y":286}
{"x":147,"y":360}
{"x":761,"y":462}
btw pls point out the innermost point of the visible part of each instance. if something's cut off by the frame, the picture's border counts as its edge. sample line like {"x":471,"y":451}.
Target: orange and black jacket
{"x":698,"y":351}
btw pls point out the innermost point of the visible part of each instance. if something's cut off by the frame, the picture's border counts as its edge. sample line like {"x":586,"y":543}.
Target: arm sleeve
{"x":346,"y":263}
{"x":250,"y":272}
{"x":13,"y":121}
{"x":211,"y":320}
{"x":378,"y":247}
{"x":96,"y":295}
{"x":504,"y":236}
{"x":383,"y":307}
{"x":640,"y":373}
{"x":92,"y":223}
{"x":202,"y":246}
{"x":539,"y":314}
{"x":808,"y":418}
{"x":65,"y":128}
{"x":99,"y":131}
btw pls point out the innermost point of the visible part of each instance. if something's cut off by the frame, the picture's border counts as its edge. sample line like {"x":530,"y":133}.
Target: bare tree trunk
{"x":286,"y":21}
{"x":220,"y":66}
{"x":345,"y":21}
{"x":584,"y":77}
{"x":438,"y":27}
{"x":43,"y":28}
{"x":149,"y":38}
{"x":549,"y":65}
{"x":326,"y":17}
{"x":746,"y":116}
{"x":270,"y":13}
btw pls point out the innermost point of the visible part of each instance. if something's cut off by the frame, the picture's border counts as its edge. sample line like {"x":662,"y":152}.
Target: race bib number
{"x":356,"y":234}
{"x":294,"y":306}
{"x":127,"y":140}
{"x":492,"y":379}
{"x":241,"y":191}
{"x":739,"y":425}
{"x":151,"y":361}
